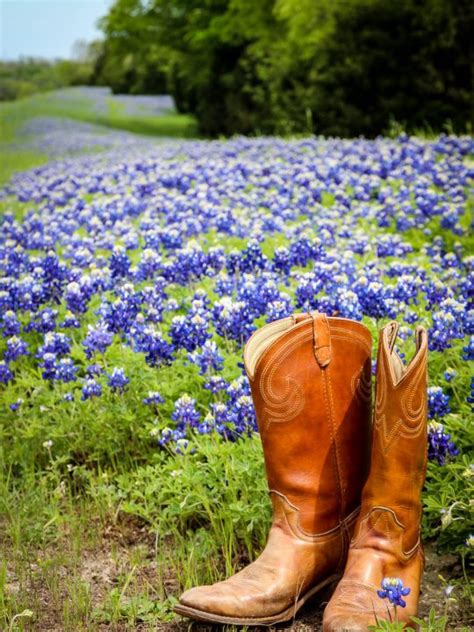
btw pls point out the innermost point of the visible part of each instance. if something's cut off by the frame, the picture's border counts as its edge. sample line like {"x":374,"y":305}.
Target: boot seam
{"x":341,"y":526}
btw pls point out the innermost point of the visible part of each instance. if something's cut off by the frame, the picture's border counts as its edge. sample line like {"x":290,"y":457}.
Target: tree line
{"x":344,"y":67}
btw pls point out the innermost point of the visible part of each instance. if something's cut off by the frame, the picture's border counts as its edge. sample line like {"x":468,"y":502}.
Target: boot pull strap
{"x":321,"y":339}
{"x":392,"y":332}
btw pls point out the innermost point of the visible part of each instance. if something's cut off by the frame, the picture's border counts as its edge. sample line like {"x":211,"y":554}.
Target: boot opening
{"x":262,"y":339}
{"x":399,"y":368}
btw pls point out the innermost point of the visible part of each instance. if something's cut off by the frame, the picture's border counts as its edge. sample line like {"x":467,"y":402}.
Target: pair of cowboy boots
{"x":345,"y":494}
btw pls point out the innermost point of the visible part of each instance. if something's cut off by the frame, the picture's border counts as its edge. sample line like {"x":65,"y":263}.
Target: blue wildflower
{"x":5,"y":373}
{"x":16,"y":347}
{"x":215,"y":384}
{"x":117,"y":380}
{"x":185,"y":413}
{"x":64,"y":370}
{"x":438,"y":402}
{"x":91,"y":388}
{"x":10,"y":325}
{"x":394,"y":590}
{"x":16,"y":405}
{"x":439,"y":445}
{"x":450,"y":374}
{"x":207,"y":358}
{"x":97,"y":340}
{"x":153,"y":397}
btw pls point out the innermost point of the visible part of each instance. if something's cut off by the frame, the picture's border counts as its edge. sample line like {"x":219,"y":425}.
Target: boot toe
{"x":346,"y":624}
{"x":211,"y":600}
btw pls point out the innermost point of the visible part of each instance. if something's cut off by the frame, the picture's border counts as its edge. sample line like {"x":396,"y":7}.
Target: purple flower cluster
{"x":394,"y":590}
{"x":439,"y":445}
{"x":438,"y":402}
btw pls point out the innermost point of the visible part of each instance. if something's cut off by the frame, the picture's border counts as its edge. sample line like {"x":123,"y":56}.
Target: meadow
{"x":133,"y":269}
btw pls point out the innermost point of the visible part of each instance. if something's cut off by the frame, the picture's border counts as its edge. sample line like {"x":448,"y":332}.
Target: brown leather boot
{"x":386,"y":539}
{"x":310,"y":378}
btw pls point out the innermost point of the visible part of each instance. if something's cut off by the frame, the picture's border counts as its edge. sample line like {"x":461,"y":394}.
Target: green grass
{"x":14,"y":114}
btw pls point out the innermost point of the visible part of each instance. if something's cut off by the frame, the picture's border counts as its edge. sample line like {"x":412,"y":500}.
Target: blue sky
{"x":47,"y":28}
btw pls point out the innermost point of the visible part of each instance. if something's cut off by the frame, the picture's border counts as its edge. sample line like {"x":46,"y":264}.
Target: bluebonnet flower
{"x":347,"y":304}
{"x":189,"y":332}
{"x":68,"y":397}
{"x":91,"y":388}
{"x":58,"y":344}
{"x":117,"y":380}
{"x":119,"y":316}
{"x":119,"y":263}
{"x":373,"y":297}
{"x":243,"y":417}
{"x":152,"y":343}
{"x":93,"y":370}
{"x":70,"y":322}
{"x":171,"y":305}
{"x":224,"y":285}
{"x":185,"y":413}
{"x":77,"y":297}
{"x":97,"y":340}
{"x":169,"y":436}
{"x":153,"y":397}
{"x":280,"y":308}
{"x":439,"y":445}
{"x":438,"y":402}
{"x":10,"y":324}
{"x":149,"y":264}
{"x":16,"y":405}
{"x":307,"y":290}
{"x":470,"y":397}
{"x":207,"y":425}
{"x":304,"y":250}
{"x":215,"y":383}
{"x":48,"y":364}
{"x":43,"y":321}
{"x":469,"y":350}
{"x":182,"y":447}
{"x":449,"y":374}
{"x":232,"y":319}
{"x":64,"y":370}
{"x":16,"y":347}
{"x":394,"y":590}
{"x":207,"y":358}
{"x":219,"y":418}
{"x":237,"y":388}
{"x":252,"y":258}
{"x":447,"y":325}
{"x":281,"y":261}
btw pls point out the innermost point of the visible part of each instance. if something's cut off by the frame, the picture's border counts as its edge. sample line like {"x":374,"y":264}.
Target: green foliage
{"x":433,"y":623}
{"x":19,"y":79}
{"x":130,"y":60}
{"x":293,"y":66}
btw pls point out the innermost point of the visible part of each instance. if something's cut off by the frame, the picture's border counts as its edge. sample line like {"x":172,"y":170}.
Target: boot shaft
{"x":399,"y":441}
{"x":311,"y":383}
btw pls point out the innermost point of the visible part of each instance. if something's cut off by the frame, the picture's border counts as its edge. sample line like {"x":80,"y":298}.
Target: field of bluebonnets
{"x":132,"y":273}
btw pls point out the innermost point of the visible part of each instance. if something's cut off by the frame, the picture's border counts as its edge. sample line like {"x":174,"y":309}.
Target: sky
{"x":47,"y":28}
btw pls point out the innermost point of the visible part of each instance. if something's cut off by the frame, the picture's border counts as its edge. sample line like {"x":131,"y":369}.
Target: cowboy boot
{"x":310,"y":379}
{"x":386,"y":542}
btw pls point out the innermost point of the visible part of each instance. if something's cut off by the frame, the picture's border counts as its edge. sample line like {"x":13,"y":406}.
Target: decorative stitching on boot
{"x":300,"y":532}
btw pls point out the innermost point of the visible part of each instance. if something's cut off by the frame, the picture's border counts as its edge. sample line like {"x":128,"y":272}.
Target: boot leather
{"x":310,"y":378}
{"x":386,"y":540}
